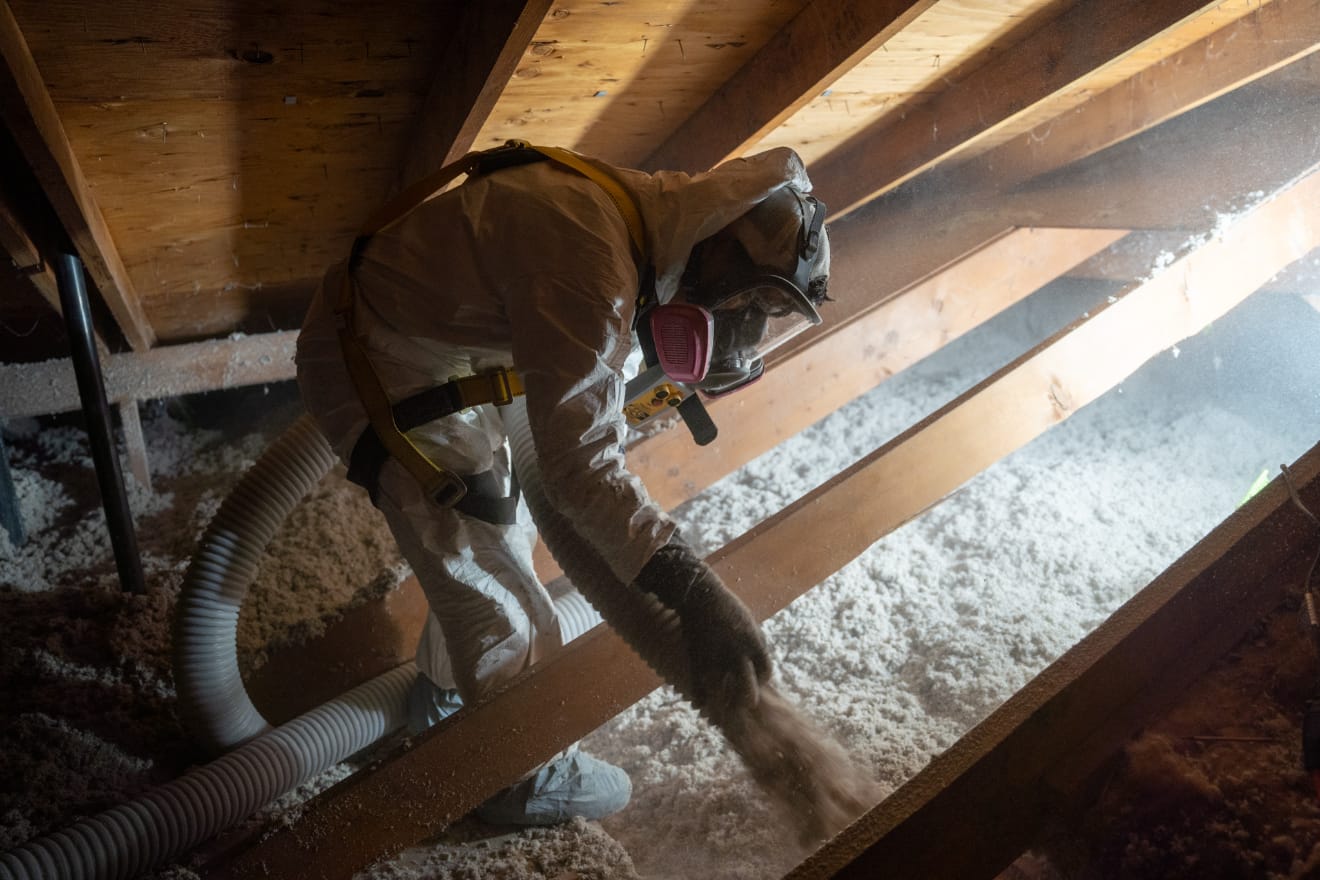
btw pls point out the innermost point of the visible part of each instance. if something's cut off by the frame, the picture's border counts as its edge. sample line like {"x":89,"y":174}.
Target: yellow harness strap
{"x":632,"y":218}
{"x":498,"y":387}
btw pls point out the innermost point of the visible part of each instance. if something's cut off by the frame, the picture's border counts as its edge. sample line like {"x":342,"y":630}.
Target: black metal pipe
{"x":11,"y":517}
{"x":100,"y":431}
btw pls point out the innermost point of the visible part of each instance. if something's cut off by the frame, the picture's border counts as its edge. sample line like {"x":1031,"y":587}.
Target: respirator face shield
{"x":737,"y":301}
{"x":748,"y":325}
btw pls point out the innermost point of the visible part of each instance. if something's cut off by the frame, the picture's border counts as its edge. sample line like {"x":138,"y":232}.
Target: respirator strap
{"x":698,"y":420}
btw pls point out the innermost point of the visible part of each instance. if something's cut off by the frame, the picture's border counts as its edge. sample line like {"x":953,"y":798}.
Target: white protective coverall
{"x":528,"y":267}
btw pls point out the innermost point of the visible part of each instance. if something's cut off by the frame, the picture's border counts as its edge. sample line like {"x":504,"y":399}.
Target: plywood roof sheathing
{"x":31,"y":117}
{"x":485,"y":46}
{"x":804,"y":58}
{"x":1052,"y":59}
{"x":1242,"y":52}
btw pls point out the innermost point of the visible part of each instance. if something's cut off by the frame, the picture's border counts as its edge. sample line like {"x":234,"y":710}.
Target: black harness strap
{"x":483,"y":499}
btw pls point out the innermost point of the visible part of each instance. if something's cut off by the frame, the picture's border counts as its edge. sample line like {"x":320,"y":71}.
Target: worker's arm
{"x":571,"y":334}
{"x":569,"y":347}
{"x":726,"y":653}
{"x":565,"y":265}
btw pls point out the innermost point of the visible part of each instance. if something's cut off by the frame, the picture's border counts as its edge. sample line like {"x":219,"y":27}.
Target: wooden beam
{"x":32,"y":119}
{"x":1194,"y":172}
{"x":820,"y":44}
{"x":48,"y":387}
{"x":135,"y":444}
{"x":1240,"y":53}
{"x":33,"y":264}
{"x":15,"y":242}
{"x":1017,"y":768}
{"x":484,"y":47}
{"x":455,"y":766}
{"x":1131,"y":257}
{"x":1083,"y":40}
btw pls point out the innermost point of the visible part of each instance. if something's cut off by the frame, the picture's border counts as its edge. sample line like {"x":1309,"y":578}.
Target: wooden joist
{"x":809,"y":53}
{"x":135,"y":444}
{"x":18,"y":246}
{"x":1084,"y":39}
{"x":30,"y":115}
{"x":484,"y":46}
{"x":48,"y":387}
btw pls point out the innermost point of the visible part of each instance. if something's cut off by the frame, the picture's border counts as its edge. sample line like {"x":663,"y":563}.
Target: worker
{"x":548,"y":270}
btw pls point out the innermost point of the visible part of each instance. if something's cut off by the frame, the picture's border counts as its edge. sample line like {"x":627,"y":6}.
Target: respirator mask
{"x":738,"y":302}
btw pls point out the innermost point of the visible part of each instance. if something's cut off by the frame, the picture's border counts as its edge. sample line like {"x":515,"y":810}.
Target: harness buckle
{"x":499,"y":383}
{"x":448,"y":488}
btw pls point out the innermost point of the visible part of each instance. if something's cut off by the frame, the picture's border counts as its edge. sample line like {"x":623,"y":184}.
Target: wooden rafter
{"x":1240,"y":53}
{"x":30,"y":115}
{"x":1077,"y":44}
{"x":1190,"y":173}
{"x":818,"y":45}
{"x":484,"y":47}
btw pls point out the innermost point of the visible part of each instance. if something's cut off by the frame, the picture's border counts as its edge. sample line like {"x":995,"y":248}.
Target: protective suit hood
{"x":680,"y":210}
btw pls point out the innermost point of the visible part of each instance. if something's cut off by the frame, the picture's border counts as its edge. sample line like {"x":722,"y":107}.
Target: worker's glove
{"x":726,"y":652}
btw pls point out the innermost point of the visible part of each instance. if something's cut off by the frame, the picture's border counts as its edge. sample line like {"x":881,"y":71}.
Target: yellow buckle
{"x":499,"y":384}
{"x":499,"y":387}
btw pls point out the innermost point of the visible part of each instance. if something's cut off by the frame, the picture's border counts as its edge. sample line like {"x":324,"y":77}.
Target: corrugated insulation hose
{"x":261,"y":763}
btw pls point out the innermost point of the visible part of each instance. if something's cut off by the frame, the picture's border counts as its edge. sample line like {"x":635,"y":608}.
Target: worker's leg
{"x":473,"y":574}
{"x":479,"y":583}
